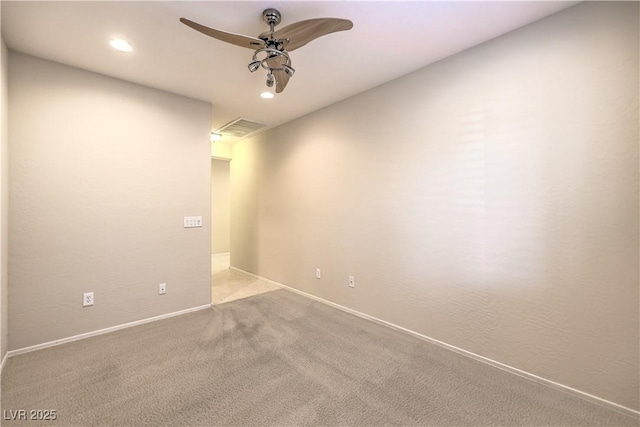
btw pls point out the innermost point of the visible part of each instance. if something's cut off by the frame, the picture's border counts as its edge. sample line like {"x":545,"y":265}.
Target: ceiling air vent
{"x":240,"y":127}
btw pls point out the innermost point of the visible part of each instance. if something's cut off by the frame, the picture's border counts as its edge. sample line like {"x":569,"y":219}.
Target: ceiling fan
{"x":272,"y":47}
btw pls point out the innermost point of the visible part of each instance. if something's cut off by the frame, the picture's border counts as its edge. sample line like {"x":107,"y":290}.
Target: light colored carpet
{"x":278,"y":359}
{"x":229,"y":285}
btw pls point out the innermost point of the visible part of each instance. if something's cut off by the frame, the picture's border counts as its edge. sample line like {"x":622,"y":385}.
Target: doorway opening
{"x":220,"y":222}
{"x":227,"y":284}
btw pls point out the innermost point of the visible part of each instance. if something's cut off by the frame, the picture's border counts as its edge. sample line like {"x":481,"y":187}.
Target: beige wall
{"x":102,"y":173}
{"x":489,"y":201}
{"x":220,"y":206}
{"x":4,"y":200}
{"x":221,"y":150}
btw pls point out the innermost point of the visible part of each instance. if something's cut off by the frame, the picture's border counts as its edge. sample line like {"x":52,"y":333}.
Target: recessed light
{"x":267,"y":95}
{"x":121,"y":45}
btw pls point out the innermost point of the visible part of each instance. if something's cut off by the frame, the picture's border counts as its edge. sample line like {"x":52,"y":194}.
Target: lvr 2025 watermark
{"x":31,"y":414}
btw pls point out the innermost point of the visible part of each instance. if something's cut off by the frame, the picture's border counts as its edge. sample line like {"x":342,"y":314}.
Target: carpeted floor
{"x":278,"y":359}
{"x":229,"y":285}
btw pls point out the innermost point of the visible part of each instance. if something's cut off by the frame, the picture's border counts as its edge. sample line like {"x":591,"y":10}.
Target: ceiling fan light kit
{"x":271,"y":48}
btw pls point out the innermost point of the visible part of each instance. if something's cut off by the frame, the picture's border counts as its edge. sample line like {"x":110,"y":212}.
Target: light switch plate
{"x":192,"y":221}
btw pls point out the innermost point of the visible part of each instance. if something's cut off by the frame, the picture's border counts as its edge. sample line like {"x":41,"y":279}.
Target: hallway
{"x":230,"y":285}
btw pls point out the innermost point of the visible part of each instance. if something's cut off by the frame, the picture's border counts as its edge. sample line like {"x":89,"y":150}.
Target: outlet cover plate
{"x":87,"y":299}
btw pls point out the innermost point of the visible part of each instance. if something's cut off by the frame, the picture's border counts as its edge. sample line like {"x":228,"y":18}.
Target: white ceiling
{"x":388,"y":39}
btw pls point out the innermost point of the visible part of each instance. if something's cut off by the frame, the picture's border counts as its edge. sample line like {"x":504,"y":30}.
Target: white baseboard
{"x":4,"y":360}
{"x":222,"y":254}
{"x":102,"y":331}
{"x":561,"y":387}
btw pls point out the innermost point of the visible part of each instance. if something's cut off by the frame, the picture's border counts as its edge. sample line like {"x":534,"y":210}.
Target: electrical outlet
{"x":87,"y":299}
{"x":352,"y":282}
{"x":318,"y":273}
{"x":162,"y":288}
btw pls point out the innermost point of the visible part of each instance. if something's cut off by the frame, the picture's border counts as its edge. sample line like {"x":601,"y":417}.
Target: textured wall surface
{"x":4,"y":199}
{"x":102,"y":173}
{"x":220,"y":206}
{"x":489,"y":201}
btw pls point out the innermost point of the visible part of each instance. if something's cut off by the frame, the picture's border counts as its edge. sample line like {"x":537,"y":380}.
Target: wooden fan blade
{"x":303,"y":32}
{"x":236,"y":39}
{"x":282,"y":78}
